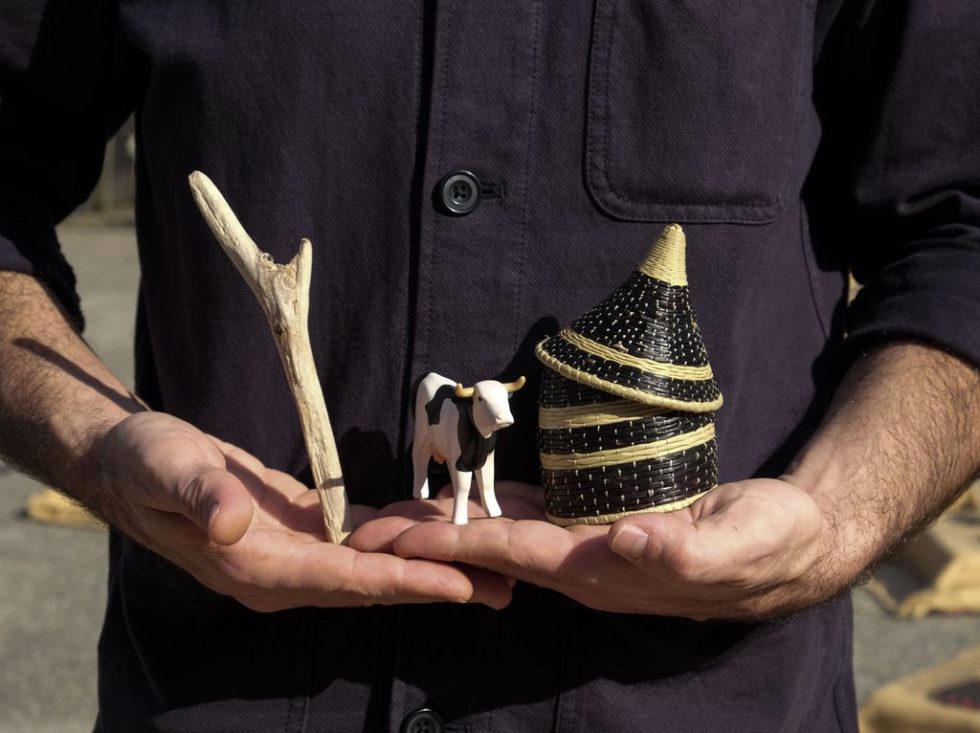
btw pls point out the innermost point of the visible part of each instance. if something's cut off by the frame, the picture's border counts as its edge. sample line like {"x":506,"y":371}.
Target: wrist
{"x":848,"y":540}
{"x":898,"y":441}
{"x":94,"y":436}
{"x":57,"y":399}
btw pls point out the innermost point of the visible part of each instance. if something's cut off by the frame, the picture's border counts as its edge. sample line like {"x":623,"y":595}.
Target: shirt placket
{"x":481,"y":59}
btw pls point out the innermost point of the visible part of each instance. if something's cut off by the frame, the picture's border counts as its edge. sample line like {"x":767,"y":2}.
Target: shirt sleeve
{"x":899,"y":85}
{"x":65,"y":87}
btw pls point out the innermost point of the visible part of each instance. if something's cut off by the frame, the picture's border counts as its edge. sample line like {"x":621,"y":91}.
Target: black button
{"x":422,"y":721}
{"x":459,"y":192}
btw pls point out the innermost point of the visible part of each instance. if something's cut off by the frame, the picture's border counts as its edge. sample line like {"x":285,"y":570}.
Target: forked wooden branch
{"x":283,"y":291}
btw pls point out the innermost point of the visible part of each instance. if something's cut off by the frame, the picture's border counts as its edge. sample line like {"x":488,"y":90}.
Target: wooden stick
{"x":283,"y":291}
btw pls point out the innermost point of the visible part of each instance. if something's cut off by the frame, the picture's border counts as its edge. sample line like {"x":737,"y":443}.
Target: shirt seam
{"x":526,"y":180}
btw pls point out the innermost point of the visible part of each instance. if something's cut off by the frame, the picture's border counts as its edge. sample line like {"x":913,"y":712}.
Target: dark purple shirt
{"x":792,"y":138}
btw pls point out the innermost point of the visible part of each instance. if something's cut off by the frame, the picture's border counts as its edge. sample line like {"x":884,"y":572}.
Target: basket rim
{"x":670,"y":506}
{"x":620,"y":390}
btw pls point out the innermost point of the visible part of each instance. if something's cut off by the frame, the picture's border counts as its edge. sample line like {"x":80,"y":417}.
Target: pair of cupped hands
{"x":256,"y":534}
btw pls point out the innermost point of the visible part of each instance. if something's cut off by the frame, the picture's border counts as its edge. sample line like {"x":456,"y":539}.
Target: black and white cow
{"x":457,"y":425}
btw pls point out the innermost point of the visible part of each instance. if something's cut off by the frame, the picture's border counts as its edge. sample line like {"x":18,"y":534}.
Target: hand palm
{"x":715,"y":558}
{"x":264,"y":538}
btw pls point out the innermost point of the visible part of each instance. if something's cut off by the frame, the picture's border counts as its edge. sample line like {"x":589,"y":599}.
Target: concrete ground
{"x":53,"y":579}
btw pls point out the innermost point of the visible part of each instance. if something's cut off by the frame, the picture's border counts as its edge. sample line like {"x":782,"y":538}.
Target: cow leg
{"x":484,"y":482}
{"x":462,"y":480}
{"x":420,"y":466}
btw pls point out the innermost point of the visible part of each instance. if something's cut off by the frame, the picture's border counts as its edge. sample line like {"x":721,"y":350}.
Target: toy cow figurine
{"x":457,"y":425}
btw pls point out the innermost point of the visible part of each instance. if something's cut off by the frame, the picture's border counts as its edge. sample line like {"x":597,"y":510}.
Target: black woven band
{"x":622,"y":434}
{"x":648,"y":318}
{"x":556,"y":391}
{"x":630,"y":487}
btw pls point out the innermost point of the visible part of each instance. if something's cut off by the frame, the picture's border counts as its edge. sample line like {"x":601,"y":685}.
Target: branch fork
{"x":283,"y":291}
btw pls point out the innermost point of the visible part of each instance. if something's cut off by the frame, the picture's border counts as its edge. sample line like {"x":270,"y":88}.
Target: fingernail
{"x":630,"y":542}
{"x":511,"y":582}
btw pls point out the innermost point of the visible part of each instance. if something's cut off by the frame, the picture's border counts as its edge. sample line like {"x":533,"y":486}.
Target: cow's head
{"x":490,"y":409}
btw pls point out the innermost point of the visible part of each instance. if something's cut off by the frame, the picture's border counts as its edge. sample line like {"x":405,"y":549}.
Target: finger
{"x":179,"y":533}
{"x":527,"y":550}
{"x":423,"y":581}
{"x":419,"y":509}
{"x":305,"y":514}
{"x":329,"y":575}
{"x":655,"y":542}
{"x":279,"y":496}
{"x":216,"y":501}
{"x":729,"y":547}
{"x":378,"y":535}
{"x":359,"y":513}
{"x":489,"y":589}
{"x":304,"y":572}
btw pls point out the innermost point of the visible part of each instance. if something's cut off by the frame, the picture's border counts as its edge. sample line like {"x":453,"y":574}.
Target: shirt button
{"x":423,"y":720}
{"x":459,"y":192}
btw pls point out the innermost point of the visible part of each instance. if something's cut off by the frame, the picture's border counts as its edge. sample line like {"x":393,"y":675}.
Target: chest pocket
{"x":694,"y":107}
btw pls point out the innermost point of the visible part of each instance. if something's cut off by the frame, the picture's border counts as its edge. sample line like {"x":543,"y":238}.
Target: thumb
{"x":629,"y":541}
{"x":652,"y":539}
{"x":218,"y":503}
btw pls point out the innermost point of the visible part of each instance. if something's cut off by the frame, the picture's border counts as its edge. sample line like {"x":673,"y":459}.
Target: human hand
{"x":747,"y":549}
{"x":254,"y":533}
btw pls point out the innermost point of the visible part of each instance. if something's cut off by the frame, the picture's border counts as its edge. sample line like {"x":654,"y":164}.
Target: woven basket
{"x":626,"y":406}
{"x":603,"y":457}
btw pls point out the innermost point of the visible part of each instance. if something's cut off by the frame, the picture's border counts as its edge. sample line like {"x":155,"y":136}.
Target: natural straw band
{"x":601,"y":413}
{"x":661,"y":369}
{"x":619,"y":390}
{"x":666,"y":259}
{"x":615,"y":517}
{"x":628,"y":454}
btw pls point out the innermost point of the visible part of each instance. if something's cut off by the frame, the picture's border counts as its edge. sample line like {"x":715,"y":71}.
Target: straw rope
{"x":601,"y":413}
{"x":619,"y":390}
{"x":628,"y":454}
{"x":666,"y":259}
{"x":661,"y":369}
{"x":615,"y":517}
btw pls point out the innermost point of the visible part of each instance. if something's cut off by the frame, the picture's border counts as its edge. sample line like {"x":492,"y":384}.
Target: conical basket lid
{"x":642,"y":343}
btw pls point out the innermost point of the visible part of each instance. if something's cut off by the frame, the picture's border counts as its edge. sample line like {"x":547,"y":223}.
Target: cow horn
{"x":464,"y":392}
{"x":515,"y":385}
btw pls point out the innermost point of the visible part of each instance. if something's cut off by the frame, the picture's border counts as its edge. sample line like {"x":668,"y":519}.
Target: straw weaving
{"x":626,"y":405}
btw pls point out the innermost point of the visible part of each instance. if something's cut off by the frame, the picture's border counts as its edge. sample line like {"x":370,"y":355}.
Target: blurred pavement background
{"x":53,"y":579}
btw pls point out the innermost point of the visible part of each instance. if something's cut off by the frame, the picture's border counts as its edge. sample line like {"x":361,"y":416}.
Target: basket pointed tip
{"x":666,"y":259}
